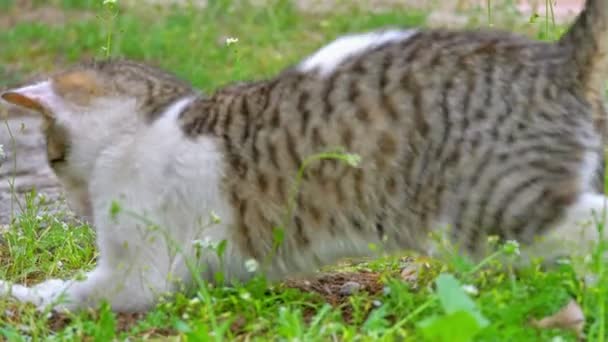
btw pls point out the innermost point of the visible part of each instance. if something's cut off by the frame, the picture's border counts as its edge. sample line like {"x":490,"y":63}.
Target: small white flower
{"x":215,"y":219}
{"x":492,"y":239}
{"x":588,"y":259}
{"x":251,"y":265}
{"x":231,"y":40}
{"x":41,"y":197}
{"x":64,"y":226}
{"x":470,"y":289}
{"x":204,"y":243}
{"x":511,"y":247}
{"x":245,"y":295}
{"x":107,"y":2}
{"x":59,"y":264}
{"x":38,"y":218}
{"x":352,"y":159}
{"x":377,"y":303}
{"x":194,"y":300}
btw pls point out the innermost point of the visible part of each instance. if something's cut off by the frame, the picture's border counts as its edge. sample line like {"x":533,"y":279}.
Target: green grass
{"x":191,"y":42}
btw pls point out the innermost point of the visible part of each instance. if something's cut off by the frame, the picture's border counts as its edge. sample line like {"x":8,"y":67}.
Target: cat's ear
{"x":39,"y":97}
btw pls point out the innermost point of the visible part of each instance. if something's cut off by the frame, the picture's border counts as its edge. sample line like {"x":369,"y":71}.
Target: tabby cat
{"x":474,"y":133}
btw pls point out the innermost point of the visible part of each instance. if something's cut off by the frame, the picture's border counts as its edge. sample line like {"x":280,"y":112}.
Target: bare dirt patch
{"x":331,"y":288}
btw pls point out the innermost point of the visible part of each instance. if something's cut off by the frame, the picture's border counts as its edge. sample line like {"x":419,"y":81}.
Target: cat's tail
{"x":587,"y":41}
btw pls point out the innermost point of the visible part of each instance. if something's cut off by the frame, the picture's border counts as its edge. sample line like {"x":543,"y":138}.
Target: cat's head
{"x":86,"y":107}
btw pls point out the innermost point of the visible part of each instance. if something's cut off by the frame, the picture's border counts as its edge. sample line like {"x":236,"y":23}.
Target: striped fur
{"x":483,"y":131}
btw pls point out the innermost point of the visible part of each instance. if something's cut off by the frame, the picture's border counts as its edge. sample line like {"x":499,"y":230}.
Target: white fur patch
{"x":589,"y":168}
{"x":328,"y":58}
{"x":168,"y":180}
{"x":175,"y":109}
{"x":577,"y":232}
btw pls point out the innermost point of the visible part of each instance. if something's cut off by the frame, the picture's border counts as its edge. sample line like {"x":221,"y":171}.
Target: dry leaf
{"x":570,"y":317}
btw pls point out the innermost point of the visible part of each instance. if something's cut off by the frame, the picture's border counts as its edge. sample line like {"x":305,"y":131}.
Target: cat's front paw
{"x":47,"y":293}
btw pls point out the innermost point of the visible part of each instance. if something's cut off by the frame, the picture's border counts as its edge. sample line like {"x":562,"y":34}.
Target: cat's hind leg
{"x":577,"y":233}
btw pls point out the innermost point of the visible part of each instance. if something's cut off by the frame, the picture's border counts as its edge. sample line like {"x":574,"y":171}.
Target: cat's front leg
{"x":125,"y":291}
{"x":41,"y":295}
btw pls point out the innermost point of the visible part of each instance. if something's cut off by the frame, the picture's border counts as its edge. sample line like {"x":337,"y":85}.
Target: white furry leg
{"x":41,"y":295}
{"x":125,"y":291}
{"x":577,"y":233}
